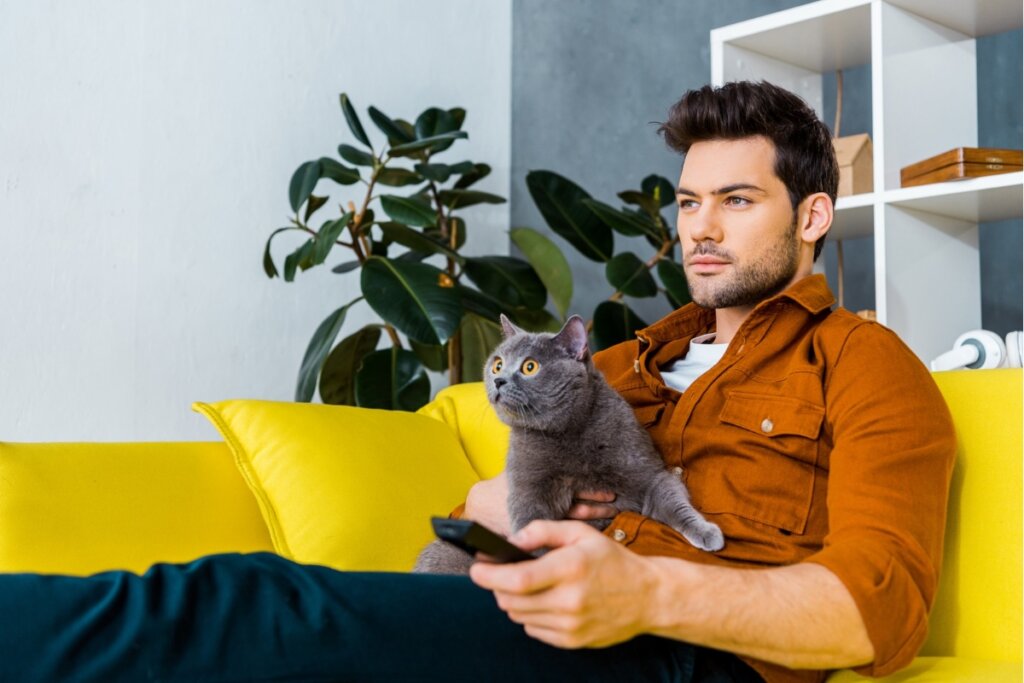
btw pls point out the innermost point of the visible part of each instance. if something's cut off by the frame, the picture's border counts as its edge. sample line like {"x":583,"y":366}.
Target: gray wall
{"x":590,"y":79}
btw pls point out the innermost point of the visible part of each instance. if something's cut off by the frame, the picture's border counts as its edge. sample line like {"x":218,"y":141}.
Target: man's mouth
{"x":707,"y":264}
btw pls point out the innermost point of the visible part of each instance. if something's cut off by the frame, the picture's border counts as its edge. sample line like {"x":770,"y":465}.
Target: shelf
{"x":971,"y":17}
{"x":820,"y":36}
{"x":976,"y":200}
{"x":854,"y":217}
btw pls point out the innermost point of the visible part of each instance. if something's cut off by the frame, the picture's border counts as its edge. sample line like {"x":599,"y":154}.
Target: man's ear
{"x":814,"y":217}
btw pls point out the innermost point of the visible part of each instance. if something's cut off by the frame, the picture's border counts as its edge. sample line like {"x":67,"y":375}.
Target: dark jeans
{"x":260,"y":617}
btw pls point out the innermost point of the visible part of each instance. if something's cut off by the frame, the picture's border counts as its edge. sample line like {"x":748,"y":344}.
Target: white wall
{"x":145,"y":154}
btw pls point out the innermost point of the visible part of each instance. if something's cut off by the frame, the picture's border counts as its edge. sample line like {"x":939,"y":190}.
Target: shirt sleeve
{"x":890,"y":468}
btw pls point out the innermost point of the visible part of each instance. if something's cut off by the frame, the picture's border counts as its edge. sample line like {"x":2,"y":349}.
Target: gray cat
{"x":571,"y":432}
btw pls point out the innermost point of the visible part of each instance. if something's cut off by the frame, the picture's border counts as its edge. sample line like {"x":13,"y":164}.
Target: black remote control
{"x":476,"y":538}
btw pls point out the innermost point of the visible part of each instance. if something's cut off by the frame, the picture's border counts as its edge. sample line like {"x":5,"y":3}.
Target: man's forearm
{"x":799,"y":616}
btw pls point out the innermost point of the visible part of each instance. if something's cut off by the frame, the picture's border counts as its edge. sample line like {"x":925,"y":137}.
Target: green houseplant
{"x":448,"y":312}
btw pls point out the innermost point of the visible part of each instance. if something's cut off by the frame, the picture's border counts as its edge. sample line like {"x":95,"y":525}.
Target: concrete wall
{"x":145,"y":154}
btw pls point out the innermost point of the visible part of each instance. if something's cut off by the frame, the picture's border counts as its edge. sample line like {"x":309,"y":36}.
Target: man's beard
{"x":749,"y":284}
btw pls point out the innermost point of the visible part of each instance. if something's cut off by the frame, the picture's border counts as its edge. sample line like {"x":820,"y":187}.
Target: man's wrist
{"x":667,"y":607}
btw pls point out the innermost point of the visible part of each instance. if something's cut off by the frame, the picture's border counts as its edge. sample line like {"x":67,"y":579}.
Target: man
{"x":815,"y":440}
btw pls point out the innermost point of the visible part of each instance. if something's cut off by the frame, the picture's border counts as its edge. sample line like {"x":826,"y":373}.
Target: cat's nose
{"x":499,"y":382}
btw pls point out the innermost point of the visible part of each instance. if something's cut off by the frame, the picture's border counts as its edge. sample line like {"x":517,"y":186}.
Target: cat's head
{"x":539,"y":380}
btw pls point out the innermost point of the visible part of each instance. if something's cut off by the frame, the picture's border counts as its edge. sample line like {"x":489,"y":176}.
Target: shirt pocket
{"x":766,"y":461}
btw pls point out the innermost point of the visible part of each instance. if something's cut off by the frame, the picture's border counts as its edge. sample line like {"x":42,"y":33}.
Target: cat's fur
{"x":571,"y":432}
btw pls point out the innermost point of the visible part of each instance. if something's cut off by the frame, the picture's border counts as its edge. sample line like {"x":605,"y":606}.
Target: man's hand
{"x":487,"y":503}
{"x":588,"y":591}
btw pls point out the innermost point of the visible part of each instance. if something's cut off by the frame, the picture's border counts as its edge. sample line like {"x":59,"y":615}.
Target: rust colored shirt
{"x":818,"y":437}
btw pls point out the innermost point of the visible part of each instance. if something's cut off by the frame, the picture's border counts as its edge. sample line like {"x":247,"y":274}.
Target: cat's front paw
{"x":706,"y":537}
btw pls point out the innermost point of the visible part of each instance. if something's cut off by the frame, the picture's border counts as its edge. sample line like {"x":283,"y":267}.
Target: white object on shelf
{"x":924,"y":101}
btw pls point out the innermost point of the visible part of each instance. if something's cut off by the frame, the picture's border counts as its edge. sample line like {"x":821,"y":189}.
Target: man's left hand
{"x":588,"y":591}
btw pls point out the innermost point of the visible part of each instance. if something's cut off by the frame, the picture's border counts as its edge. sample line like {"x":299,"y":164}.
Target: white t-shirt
{"x":703,"y":353}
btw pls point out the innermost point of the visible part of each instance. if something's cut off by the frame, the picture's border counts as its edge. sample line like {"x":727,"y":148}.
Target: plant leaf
{"x":432,"y":356}
{"x":346,"y":267}
{"x":339,"y":173}
{"x":415,"y":240}
{"x":673,"y":277}
{"x":268,"y":262}
{"x":479,"y":303}
{"x":614,"y":322}
{"x":536,"y":320}
{"x":440,"y":173}
{"x":313,"y":204}
{"x":622,"y":222}
{"x":411,"y":297}
{"x":397,"y":177}
{"x":392,"y":379}
{"x":459,"y":116}
{"x":408,"y":211}
{"x":507,"y":279}
{"x":549,"y":263}
{"x":301,"y":257}
{"x":628,"y":274}
{"x":456,"y":225}
{"x":338,"y":373}
{"x":641,"y":199}
{"x":317,"y":350}
{"x":303,"y":181}
{"x":438,"y":142}
{"x":479,"y":338}
{"x":469,"y":177}
{"x":328,"y":235}
{"x":458,"y":199}
{"x":395,"y":133}
{"x":660,"y":190}
{"x":354,"y":124}
{"x":354,"y":155}
{"x":433,"y":122}
{"x":560,"y":201}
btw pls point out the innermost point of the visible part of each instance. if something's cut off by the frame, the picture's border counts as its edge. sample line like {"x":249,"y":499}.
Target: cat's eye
{"x":496,"y":366}
{"x":530,"y":367}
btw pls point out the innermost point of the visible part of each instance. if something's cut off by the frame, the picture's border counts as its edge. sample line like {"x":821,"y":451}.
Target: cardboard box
{"x":855,"y":157}
{"x":960,"y":163}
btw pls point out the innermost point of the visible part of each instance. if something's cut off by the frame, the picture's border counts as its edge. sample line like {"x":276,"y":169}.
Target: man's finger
{"x":551,"y":534}
{"x":587,"y":511}
{"x":595,"y":497}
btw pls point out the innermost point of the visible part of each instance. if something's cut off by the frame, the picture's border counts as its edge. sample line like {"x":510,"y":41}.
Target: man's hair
{"x":805,"y":160}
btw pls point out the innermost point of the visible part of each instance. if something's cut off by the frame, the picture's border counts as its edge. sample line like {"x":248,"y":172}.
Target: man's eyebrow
{"x":723,"y":190}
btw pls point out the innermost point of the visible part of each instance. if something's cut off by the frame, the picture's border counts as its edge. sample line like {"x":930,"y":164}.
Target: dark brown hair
{"x":805,"y":160}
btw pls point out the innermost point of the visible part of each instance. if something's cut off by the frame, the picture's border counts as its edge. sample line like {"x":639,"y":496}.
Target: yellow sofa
{"x":318,"y":484}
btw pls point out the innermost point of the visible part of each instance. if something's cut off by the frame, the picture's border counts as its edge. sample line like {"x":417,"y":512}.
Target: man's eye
{"x":737,"y":201}
{"x":496,"y":366}
{"x":687,"y":204}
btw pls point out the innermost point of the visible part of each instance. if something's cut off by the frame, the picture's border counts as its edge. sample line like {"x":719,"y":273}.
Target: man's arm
{"x":592,"y":592}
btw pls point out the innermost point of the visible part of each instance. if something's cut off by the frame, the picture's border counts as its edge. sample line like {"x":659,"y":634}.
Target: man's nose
{"x":702,"y":226}
{"x":499,"y":382}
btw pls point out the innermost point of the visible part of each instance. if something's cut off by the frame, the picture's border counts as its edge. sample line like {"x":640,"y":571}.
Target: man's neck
{"x":728,"y":320}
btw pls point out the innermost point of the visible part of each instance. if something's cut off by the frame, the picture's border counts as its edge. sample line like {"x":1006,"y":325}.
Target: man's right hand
{"x":487,"y":503}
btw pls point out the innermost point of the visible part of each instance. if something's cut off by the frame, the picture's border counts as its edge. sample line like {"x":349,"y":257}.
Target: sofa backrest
{"x":81,"y":508}
{"x":977,"y":612}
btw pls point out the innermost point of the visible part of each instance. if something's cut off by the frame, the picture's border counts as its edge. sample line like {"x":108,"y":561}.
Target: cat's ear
{"x":508,"y":329}
{"x":573,"y":338}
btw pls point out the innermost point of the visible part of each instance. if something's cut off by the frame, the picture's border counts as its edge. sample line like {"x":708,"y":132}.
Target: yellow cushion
{"x":81,"y":508}
{"x":464,"y":408}
{"x":349,"y":488}
{"x":977,"y":612}
{"x":944,"y":670}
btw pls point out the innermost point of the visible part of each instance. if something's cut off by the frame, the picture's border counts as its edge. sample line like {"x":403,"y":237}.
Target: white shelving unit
{"x":924,"y":101}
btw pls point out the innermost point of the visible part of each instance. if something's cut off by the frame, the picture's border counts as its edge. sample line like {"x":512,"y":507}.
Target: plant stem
{"x":395,"y":341}
{"x":449,"y":232}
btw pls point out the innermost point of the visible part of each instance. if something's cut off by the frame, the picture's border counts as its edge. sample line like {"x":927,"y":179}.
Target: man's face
{"x":736,"y":224}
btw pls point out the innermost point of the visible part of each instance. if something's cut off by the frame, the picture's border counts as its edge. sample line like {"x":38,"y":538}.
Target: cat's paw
{"x":706,"y":537}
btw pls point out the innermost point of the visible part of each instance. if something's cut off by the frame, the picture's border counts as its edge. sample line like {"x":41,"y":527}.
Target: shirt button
{"x":619,"y":535}
{"x":767,"y":426}
{"x":678,"y":471}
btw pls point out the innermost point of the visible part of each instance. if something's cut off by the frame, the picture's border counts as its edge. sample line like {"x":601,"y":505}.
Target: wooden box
{"x":853,"y":152}
{"x":960,"y":163}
